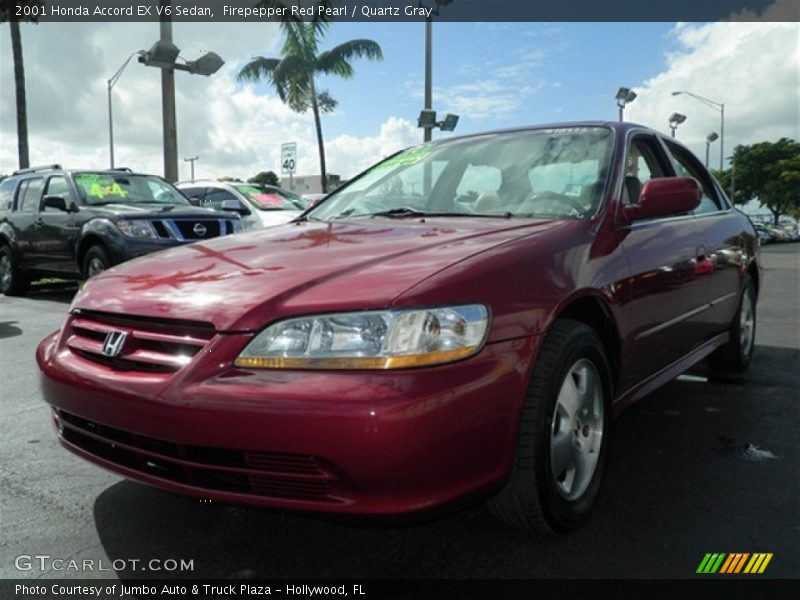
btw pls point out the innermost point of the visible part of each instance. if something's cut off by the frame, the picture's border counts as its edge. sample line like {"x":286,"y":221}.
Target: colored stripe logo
{"x":734,"y":563}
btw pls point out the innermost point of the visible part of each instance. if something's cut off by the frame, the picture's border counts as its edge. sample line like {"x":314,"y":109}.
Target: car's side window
{"x":29,"y":196}
{"x":57,"y":186}
{"x":215,"y":197}
{"x":687,"y":166}
{"x":641,"y":165}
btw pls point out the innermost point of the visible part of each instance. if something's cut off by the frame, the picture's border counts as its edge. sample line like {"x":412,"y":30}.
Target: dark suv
{"x":74,"y":223}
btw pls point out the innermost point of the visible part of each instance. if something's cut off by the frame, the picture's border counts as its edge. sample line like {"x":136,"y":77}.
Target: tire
{"x":536,"y":497}
{"x":734,"y":357}
{"x":95,"y":261}
{"x":12,"y":280}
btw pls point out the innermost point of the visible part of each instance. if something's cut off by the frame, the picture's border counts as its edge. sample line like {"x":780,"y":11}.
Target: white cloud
{"x":753,"y":68}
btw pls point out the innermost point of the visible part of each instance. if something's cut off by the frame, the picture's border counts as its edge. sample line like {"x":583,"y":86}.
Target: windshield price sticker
{"x":100,"y":187}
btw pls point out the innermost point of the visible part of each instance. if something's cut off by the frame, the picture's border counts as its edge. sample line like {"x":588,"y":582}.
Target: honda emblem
{"x":113,"y":343}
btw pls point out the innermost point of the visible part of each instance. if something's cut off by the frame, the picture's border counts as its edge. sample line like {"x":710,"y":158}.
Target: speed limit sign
{"x":288,"y":158}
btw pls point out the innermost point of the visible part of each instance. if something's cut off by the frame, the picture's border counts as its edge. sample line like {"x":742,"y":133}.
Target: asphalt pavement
{"x":696,"y":467}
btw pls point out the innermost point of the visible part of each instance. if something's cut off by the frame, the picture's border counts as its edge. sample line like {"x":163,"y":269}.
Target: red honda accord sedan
{"x":461,"y":321}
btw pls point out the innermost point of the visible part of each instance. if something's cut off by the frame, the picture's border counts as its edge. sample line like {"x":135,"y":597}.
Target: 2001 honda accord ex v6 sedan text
{"x":462,"y":320}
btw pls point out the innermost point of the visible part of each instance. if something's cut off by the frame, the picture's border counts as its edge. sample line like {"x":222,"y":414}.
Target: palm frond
{"x":257,"y":69}
{"x":336,"y":61}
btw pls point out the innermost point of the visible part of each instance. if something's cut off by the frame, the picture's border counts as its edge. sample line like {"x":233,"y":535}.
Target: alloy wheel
{"x":577,"y":429}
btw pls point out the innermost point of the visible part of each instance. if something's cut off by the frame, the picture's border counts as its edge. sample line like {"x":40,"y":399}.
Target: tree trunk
{"x":320,"y":142}
{"x":19,"y":83}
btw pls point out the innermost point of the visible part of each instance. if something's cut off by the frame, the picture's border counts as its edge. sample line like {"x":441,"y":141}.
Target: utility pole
{"x":428,"y":75}
{"x":191,"y":160}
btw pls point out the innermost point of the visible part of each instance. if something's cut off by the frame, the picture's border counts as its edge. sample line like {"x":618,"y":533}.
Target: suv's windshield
{"x":126,"y":188}
{"x":549,"y":173}
{"x":269,"y":198}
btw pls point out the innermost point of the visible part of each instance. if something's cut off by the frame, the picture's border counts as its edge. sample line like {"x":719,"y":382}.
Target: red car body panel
{"x":389,"y":441}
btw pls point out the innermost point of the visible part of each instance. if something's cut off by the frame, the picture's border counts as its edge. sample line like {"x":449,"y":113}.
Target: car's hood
{"x":142,"y":211}
{"x":240,"y":282}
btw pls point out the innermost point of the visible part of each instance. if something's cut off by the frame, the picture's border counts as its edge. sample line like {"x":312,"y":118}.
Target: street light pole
{"x":110,"y":85}
{"x":427,"y":131}
{"x":711,"y":137}
{"x":169,"y":125}
{"x":720,"y":106}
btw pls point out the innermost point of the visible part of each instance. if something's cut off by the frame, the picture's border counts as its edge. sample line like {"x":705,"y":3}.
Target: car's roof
{"x":49,"y":169}
{"x":616,"y":125}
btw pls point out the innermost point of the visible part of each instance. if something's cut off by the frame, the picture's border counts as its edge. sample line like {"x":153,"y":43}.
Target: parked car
{"x":77,"y":223}
{"x":375,"y":358}
{"x":259,"y":205}
{"x":765,"y":236}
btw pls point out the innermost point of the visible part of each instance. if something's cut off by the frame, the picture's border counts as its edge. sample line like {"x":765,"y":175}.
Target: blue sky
{"x":581,"y":65}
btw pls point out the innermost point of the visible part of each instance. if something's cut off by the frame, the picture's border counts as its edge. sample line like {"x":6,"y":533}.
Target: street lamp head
{"x":162,"y":54}
{"x":712,"y":137}
{"x":676,"y":119}
{"x":625,"y":96}
{"x":676,"y":93}
{"x":427,"y":118}
{"x":206,"y":65}
{"x":449,"y":123}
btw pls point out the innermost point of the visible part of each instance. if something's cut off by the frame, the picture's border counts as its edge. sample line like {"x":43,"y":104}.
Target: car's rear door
{"x":660,"y":315}
{"x":725,"y":257}
{"x":26,"y":220}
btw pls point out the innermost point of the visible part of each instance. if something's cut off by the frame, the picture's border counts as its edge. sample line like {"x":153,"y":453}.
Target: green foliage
{"x":265,"y":178}
{"x":294,"y":74}
{"x":770,"y":173}
{"x":231,"y":179}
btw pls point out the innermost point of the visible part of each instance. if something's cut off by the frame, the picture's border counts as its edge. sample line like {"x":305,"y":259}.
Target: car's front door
{"x":55,"y":243}
{"x":662,"y":255}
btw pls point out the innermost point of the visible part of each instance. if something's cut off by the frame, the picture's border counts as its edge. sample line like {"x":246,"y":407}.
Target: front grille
{"x":198,"y":230}
{"x":149,"y":345}
{"x":277,"y":475}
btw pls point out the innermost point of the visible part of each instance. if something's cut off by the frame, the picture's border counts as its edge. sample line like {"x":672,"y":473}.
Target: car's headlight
{"x":137,"y":228}
{"x":392,"y":339}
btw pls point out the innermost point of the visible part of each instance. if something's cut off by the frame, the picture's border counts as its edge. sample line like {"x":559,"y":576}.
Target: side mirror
{"x":235,"y":206}
{"x":665,"y":196}
{"x":59,"y":203}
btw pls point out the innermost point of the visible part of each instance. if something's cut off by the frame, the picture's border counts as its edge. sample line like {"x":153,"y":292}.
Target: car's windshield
{"x":547,"y":173}
{"x":126,"y":188}
{"x":269,"y":198}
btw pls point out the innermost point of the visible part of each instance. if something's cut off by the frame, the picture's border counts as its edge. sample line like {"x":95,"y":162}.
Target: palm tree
{"x":294,"y":74}
{"x":7,"y":12}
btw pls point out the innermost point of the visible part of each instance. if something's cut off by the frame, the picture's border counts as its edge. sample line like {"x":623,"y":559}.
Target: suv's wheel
{"x":563,"y":438}
{"x":735,"y":356}
{"x":12,"y":281}
{"x":95,"y":261}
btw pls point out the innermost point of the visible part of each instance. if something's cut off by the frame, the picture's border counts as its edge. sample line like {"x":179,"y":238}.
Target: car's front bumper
{"x":363,"y":442}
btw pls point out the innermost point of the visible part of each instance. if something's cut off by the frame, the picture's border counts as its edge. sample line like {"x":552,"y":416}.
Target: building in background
{"x":311,"y":184}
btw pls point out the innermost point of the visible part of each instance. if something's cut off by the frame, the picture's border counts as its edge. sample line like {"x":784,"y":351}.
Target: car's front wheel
{"x":12,"y":281}
{"x":563,"y":437}
{"x":95,"y":261}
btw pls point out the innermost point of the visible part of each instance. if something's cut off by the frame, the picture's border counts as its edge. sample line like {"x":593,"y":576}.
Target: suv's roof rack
{"x":52,"y":167}
{"x":126,"y":169}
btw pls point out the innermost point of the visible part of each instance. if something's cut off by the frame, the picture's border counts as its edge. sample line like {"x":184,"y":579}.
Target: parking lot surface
{"x":696,"y":467}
